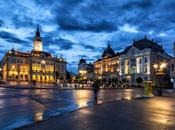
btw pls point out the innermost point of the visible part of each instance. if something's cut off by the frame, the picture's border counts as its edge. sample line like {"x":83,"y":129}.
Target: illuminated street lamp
{"x":43,"y":62}
{"x":160,"y":71}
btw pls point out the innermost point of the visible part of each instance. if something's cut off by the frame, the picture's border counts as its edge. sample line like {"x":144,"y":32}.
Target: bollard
{"x":148,"y":91}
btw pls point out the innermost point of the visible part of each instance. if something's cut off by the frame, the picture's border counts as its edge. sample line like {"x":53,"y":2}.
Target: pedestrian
{"x":96,"y":88}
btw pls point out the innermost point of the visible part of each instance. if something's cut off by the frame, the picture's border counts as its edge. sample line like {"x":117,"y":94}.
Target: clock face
{"x":38,"y":46}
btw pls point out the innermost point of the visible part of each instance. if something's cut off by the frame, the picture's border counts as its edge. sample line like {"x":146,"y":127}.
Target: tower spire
{"x":108,"y":46}
{"x":145,"y":36}
{"x":37,"y":40}
{"x":37,"y":31}
{"x":37,"y":36}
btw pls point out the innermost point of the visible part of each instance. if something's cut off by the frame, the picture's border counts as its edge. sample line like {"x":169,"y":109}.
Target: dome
{"x":82,"y":61}
{"x":108,"y":52}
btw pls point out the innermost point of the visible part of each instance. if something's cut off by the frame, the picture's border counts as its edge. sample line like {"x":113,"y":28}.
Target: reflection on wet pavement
{"x":19,"y":107}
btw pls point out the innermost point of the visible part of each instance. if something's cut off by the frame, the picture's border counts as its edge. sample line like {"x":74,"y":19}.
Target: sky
{"x":74,"y":29}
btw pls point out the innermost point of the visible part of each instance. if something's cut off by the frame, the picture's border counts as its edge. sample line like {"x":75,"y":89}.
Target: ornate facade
{"x":172,"y":74}
{"x":107,"y":68}
{"x":36,"y":65}
{"x":137,"y":60}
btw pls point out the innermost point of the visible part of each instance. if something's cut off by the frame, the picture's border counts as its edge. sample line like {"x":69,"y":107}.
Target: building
{"x":107,"y":67}
{"x":138,"y":59}
{"x":85,"y":70}
{"x":36,"y":65}
{"x":172,"y":74}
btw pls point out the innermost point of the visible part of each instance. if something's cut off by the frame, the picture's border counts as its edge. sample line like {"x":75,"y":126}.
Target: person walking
{"x":96,"y":88}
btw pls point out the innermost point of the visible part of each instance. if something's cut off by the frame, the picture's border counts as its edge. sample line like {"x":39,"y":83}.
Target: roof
{"x":37,"y":36}
{"x":41,"y":53}
{"x":12,"y":52}
{"x":82,"y":61}
{"x":108,"y":52}
{"x":145,"y":43}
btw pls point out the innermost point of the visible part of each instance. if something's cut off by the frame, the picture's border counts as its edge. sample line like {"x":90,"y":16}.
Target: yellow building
{"x":36,"y":65}
{"x":107,"y":68}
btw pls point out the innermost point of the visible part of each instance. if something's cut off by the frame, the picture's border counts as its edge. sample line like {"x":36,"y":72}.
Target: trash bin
{"x":148,"y":91}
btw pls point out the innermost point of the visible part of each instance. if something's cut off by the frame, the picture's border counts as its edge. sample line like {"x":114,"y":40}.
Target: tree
{"x":68,"y":76}
{"x":139,"y":80}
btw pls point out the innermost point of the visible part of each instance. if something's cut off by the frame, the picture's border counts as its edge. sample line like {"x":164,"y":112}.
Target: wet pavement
{"x":143,"y":114}
{"x":20,"y":107}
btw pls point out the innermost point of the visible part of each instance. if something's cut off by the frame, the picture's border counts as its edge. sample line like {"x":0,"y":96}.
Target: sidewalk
{"x":143,"y":114}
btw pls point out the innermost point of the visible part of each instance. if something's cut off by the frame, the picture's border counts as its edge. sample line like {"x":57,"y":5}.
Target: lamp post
{"x":160,"y":72}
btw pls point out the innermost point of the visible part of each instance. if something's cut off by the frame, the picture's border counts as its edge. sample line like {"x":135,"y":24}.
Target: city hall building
{"x":35,"y":66}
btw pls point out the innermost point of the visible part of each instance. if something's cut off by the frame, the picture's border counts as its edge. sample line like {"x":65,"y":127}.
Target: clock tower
{"x":37,"y":41}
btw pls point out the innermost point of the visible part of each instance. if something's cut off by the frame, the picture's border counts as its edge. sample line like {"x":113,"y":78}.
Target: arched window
{"x":172,"y":67}
{"x":21,"y":76}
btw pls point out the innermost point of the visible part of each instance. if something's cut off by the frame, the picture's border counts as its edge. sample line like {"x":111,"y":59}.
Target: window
{"x":133,"y":62}
{"x":133,"y":70}
{"x":172,"y":67}
{"x":122,"y":63}
{"x":140,"y":69}
{"x":146,"y":59}
{"x":26,"y":76}
{"x":145,"y":69}
{"x":145,"y":78}
{"x":140,"y":61}
{"x":21,"y":76}
{"x":122,"y":71}
{"x":127,"y":62}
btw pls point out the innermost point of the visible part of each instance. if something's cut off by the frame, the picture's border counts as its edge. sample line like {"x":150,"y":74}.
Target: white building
{"x":137,"y":60}
{"x":172,"y":74}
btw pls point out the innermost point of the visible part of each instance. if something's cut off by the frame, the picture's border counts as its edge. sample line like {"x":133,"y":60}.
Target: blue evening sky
{"x":81,"y":28}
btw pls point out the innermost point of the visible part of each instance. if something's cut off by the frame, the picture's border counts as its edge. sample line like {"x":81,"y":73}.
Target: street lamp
{"x":160,"y":72}
{"x":43,"y":62}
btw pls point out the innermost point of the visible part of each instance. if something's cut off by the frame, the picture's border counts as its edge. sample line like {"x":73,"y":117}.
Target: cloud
{"x":73,"y":24}
{"x":9,"y":37}
{"x":62,"y":44}
{"x":2,"y":23}
{"x":74,"y":28}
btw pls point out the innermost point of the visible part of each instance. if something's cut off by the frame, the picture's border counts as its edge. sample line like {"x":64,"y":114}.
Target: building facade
{"x":37,"y":65}
{"x":107,"y":67}
{"x":85,"y":70}
{"x":138,"y":60}
{"x":172,"y":74}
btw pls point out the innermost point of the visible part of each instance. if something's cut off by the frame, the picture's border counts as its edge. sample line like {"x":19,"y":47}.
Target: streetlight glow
{"x":43,"y":62}
{"x":155,"y":66}
{"x":163,"y":65}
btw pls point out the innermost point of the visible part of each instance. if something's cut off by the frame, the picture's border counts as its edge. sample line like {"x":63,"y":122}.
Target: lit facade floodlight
{"x":155,"y":66}
{"x":43,"y":62}
{"x":163,"y":65}
{"x":160,"y":71}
